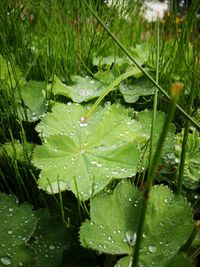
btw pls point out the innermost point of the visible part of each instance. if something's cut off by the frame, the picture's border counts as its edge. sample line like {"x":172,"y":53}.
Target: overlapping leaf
{"x":140,"y":87}
{"x":50,"y":239}
{"x":145,"y":118}
{"x":114,"y":223}
{"x":82,"y":89}
{"x":17,"y":226}
{"x":85,"y":156}
{"x":32,"y":101}
{"x":192,"y":160}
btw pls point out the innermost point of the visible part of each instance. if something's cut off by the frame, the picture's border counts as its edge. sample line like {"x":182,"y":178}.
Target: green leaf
{"x":115,"y":218}
{"x":106,"y":62}
{"x":124,"y":262}
{"x":139,"y":87}
{"x":32,"y":101}
{"x":145,"y":118}
{"x":180,"y":260}
{"x":168,"y":226}
{"x":192,"y":161}
{"x":83,"y":89}
{"x":17,"y":225}
{"x":50,"y":239}
{"x":85,"y":156}
{"x":114,"y":221}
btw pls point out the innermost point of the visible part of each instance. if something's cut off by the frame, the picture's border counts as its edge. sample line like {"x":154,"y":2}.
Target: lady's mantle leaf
{"x":83,"y":89}
{"x":85,"y":156}
{"x":140,"y":87}
{"x":192,"y":160}
{"x":180,"y":260}
{"x":115,"y":218}
{"x":114,"y":221}
{"x":145,"y":118}
{"x":17,"y":226}
{"x":50,"y":239}
{"x":32,"y":101}
{"x":168,"y":226}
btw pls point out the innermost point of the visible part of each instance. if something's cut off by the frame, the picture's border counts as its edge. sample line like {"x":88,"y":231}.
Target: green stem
{"x":117,"y":81}
{"x":153,"y":123}
{"x":194,"y":123}
{"x":186,"y":131}
{"x":190,"y":240}
{"x":151,"y":175}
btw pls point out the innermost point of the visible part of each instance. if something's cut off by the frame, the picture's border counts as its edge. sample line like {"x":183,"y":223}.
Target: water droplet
{"x":99,"y":165}
{"x":152,"y":249}
{"x":10,"y":209}
{"x":109,"y":238}
{"x":9,"y":232}
{"x":93,"y":162}
{"x":130,"y":237}
{"x":51,"y":247}
{"x":83,"y":124}
{"x":129,"y":199}
{"x":144,"y":236}
{"x":55,"y":187}
{"x":6,"y":260}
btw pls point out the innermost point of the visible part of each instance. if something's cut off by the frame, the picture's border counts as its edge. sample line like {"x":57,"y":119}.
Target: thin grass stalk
{"x":117,"y":81}
{"x":153,"y":123}
{"x":194,"y":123}
{"x":191,"y":238}
{"x":152,"y":168}
{"x":187,"y":127}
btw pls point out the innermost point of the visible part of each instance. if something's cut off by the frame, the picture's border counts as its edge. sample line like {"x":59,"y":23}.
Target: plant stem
{"x":122,"y":77}
{"x":194,"y":123}
{"x":186,"y":130}
{"x":152,"y":169}
{"x":191,"y":238}
{"x":155,"y":92}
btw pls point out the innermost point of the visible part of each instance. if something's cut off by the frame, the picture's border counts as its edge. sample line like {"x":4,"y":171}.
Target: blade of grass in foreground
{"x":175,"y":93}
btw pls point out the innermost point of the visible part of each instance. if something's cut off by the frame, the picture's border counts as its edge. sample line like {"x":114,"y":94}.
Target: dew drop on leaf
{"x":152,"y":249}
{"x":109,"y":238}
{"x":51,"y":247}
{"x":99,"y":165}
{"x":55,"y":187}
{"x":130,"y":238}
{"x":6,"y":260}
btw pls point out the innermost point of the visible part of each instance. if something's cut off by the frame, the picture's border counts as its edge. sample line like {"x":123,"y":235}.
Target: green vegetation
{"x":99,"y":129}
